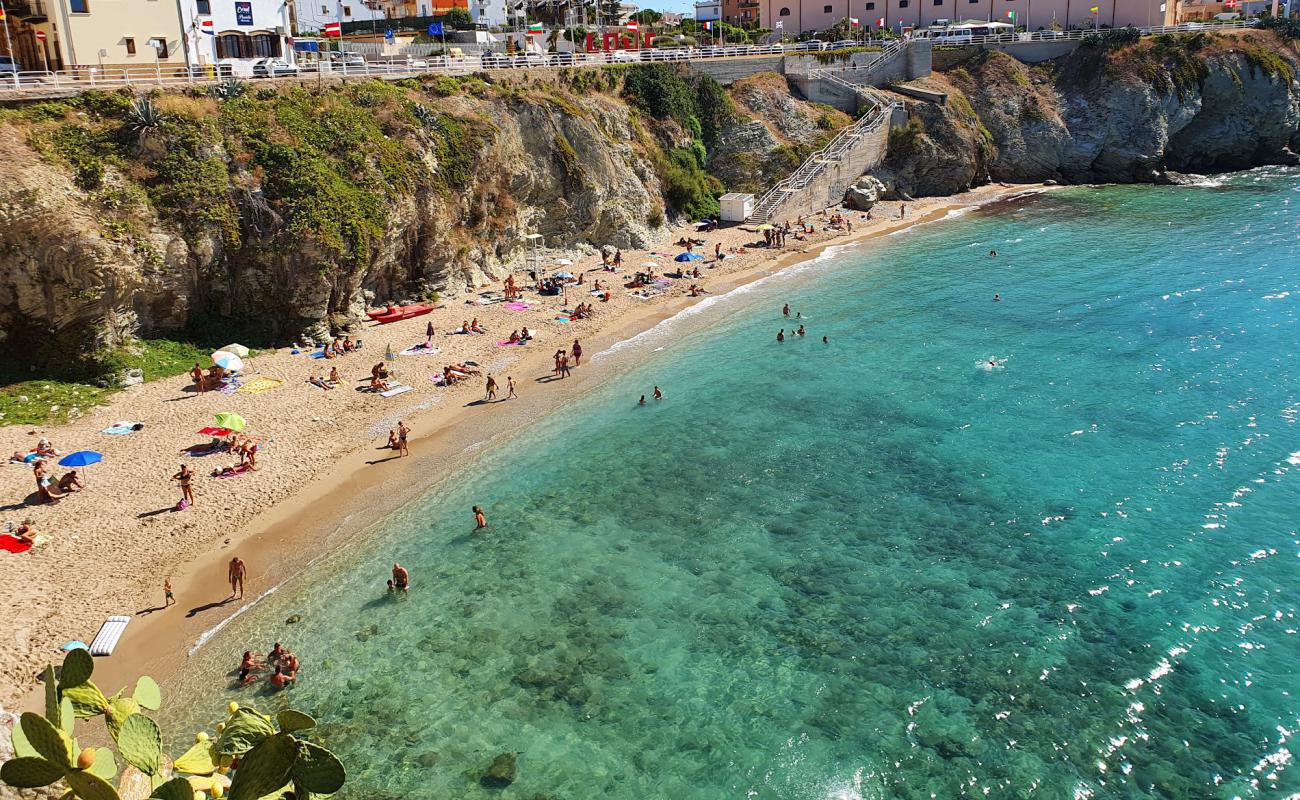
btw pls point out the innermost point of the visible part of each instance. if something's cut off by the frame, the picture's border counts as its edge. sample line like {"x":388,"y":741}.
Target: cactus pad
{"x":53,"y":744}
{"x":90,"y":787}
{"x":291,"y":720}
{"x":140,"y":743}
{"x":198,"y":760}
{"x":87,"y":700}
{"x":265,"y":768}
{"x":318,"y":770}
{"x":78,"y":665}
{"x":174,"y":789}
{"x":244,"y":730}
{"x":147,"y":693}
{"x":29,"y":773}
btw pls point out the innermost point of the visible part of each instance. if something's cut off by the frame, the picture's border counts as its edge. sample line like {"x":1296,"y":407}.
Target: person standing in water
{"x":658,"y":395}
{"x":401,"y":578}
{"x":785,"y":311}
{"x":997,"y":298}
{"x":780,"y":335}
{"x":825,"y":340}
{"x":480,"y":521}
{"x":642,"y":401}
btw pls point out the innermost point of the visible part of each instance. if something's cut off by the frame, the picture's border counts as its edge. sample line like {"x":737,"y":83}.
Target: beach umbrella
{"x":237,"y":349}
{"x":564,"y":262}
{"x":75,"y":644}
{"x":564,"y":274}
{"x":227,"y":361}
{"x":649,"y":263}
{"x":81,"y":458}
{"x":688,"y":257}
{"x":214,"y":431}
{"x":231,"y":421}
{"x":763,"y":227}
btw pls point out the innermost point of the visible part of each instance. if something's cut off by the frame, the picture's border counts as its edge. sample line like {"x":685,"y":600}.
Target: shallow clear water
{"x":871,"y":568}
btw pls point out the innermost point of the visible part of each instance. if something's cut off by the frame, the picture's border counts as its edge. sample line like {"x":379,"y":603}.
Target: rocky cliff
{"x":266,"y":212}
{"x":1112,"y":111}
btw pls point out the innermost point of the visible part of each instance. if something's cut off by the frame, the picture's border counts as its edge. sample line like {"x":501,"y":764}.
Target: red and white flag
{"x":40,"y":36}
{"x":854,"y":22}
{"x":206,"y":27}
{"x":631,"y":25}
{"x":333,"y":29}
{"x":880,"y":23}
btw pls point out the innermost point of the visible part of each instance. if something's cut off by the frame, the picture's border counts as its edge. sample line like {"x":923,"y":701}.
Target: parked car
{"x":348,"y":59}
{"x":417,"y":63}
{"x":274,"y":68}
{"x":563,"y":59}
{"x":624,"y":56}
{"x":7,"y":64}
{"x":843,"y":44}
{"x":495,"y":60}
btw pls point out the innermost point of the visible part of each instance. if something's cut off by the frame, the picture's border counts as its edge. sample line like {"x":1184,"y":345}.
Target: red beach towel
{"x":11,"y":545}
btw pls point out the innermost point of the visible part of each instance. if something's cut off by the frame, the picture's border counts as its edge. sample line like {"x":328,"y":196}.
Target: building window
{"x":826,"y":9}
{"x":902,"y":3}
{"x":204,"y":7}
{"x":79,"y":6}
{"x":162,"y":46}
{"x":785,"y":12}
{"x":938,"y":2}
{"x":325,"y":10}
{"x":233,"y":45}
{"x":130,"y":46}
{"x":347,"y":11}
{"x":266,"y":46}
{"x":871,"y":6}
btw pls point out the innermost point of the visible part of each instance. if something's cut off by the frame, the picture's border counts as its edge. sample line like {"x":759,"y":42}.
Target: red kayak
{"x":399,"y":313}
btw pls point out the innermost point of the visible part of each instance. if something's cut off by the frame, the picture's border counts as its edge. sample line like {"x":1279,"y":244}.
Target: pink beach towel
{"x":506,"y":343}
{"x":238,"y":471}
{"x":517,"y":306}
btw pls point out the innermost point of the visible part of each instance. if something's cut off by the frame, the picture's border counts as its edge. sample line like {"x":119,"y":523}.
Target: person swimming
{"x":997,"y":298}
{"x":780,"y":335}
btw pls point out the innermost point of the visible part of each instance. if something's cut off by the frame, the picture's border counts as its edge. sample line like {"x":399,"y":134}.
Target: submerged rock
{"x":294,"y":619}
{"x":501,"y":773}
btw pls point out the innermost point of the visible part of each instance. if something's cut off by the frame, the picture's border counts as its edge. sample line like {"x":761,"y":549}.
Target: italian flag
{"x":1011,"y":15}
{"x":535,"y":27}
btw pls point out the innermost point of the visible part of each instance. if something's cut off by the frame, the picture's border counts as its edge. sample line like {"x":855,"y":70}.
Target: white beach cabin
{"x":736,"y":206}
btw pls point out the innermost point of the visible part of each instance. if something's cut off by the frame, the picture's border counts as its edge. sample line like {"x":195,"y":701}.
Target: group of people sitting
{"x":48,"y":490}
{"x":43,"y":449}
{"x":281,"y":660}
{"x":690,"y":244}
{"x":207,"y":381}
{"x":582,"y":311}
{"x":326,"y":383}
{"x":379,"y":375}
{"x":471,"y":326}
{"x":696,"y":291}
{"x":516,"y":337}
{"x":839,"y":222}
{"x":339,"y":347}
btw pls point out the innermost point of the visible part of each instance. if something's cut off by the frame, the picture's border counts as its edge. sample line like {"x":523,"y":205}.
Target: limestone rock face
{"x":1223,"y":102}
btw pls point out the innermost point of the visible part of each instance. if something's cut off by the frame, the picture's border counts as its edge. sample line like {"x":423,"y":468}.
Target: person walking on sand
{"x":186,"y":479}
{"x":480,"y":521}
{"x":576,"y":350}
{"x":510,"y":388}
{"x":402,"y":433}
{"x":168,"y":597}
{"x":236,"y":572}
{"x":401,"y":578}
{"x":491,"y":388}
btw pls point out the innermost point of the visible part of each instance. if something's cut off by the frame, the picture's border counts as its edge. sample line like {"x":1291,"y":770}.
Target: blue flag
{"x":435,"y":28}
{"x":388,"y":36}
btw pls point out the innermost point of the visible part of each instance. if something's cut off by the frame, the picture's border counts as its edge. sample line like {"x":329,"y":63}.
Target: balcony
{"x":747,"y":4}
{"x":32,"y":11}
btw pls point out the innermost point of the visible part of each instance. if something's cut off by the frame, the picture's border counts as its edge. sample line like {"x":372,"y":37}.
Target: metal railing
{"x":37,"y":83}
{"x":959,"y":40}
{"x":836,"y":149}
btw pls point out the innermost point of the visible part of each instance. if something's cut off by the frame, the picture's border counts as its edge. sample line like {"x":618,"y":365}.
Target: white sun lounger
{"x":396,"y":390}
{"x":109,"y":633}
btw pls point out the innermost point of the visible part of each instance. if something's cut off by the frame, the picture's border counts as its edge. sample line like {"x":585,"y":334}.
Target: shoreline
{"x":341,"y":496}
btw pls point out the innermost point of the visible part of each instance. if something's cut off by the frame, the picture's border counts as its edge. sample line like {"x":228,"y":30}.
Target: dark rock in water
{"x":293,"y":620}
{"x":427,"y":759}
{"x":501,"y":773}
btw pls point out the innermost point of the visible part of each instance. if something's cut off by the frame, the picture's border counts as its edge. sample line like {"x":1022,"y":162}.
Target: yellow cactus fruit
{"x":86,"y":758}
{"x":233,"y":706}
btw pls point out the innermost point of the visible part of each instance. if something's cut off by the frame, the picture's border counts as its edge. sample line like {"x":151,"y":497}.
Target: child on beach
{"x":168,"y":597}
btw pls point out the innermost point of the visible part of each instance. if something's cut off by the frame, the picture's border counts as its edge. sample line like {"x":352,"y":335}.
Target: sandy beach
{"x":324,"y":471}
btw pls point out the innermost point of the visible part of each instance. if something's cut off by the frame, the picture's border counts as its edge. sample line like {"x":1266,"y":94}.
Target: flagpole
{"x":9,"y":44}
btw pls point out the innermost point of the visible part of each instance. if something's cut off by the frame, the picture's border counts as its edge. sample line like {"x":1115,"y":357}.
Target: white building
{"x":708,"y":10}
{"x":237,"y":32}
{"x":489,"y":13}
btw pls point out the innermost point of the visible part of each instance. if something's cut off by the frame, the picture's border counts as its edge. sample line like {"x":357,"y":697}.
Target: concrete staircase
{"x":854,"y":150}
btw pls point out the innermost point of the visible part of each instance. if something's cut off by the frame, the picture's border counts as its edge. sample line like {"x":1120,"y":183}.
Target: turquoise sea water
{"x":874,"y":568}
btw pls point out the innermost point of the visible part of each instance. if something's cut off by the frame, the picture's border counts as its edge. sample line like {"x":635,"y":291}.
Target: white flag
{"x":779,"y":25}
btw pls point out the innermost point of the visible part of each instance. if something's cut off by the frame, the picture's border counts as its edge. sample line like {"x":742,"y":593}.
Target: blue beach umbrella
{"x":81,"y":458}
{"x":688,"y":257}
{"x":74,"y":645}
{"x":564,"y":275}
